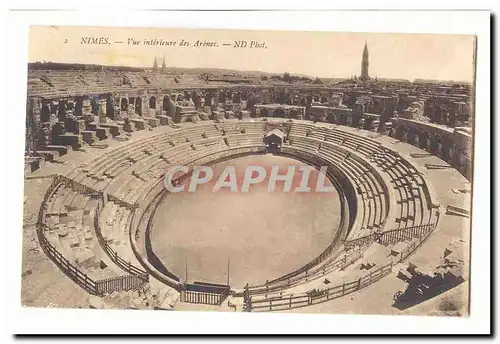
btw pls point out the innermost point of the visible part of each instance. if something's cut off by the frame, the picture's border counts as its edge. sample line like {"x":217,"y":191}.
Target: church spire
{"x":364,"y":64}
{"x":155,"y":65}
{"x":163,"y":65}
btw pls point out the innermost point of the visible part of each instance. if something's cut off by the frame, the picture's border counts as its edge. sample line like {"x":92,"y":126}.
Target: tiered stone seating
{"x":409,"y":186}
{"x":70,"y":221}
{"x":367,"y":186}
{"x":308,"y":145}
{"x":244,"y":140}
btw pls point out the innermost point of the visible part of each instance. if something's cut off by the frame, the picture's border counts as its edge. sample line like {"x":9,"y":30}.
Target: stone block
{"x":138,"y":123}
{"x":153,"y":122}
{"x":164,"y":120}
{"x":114,"y":129}
{"x":73,"y":140}
{"x":89,"y":136}
{"x":102,"y":133}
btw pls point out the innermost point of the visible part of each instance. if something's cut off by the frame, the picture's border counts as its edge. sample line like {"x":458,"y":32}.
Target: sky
{"x":322,"y":54}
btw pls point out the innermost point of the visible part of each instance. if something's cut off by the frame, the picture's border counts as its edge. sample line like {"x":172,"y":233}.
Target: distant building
{"x":364,"y":65}
{"x":163,"y":66}
{"x":155,"y":66}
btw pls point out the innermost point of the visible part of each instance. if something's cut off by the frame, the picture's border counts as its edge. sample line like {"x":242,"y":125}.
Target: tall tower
{"x":364,"y":65}
{"x":163,"y":66}
{"x":155,"y":66}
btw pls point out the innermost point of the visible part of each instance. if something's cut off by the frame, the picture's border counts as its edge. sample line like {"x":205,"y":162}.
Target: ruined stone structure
{"x":95,"y":217}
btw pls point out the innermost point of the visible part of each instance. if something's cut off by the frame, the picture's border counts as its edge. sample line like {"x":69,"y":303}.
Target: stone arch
{"x":303,"y":102}
{"x":152,"y":102}
{"x":138,"y":106}
{"x":279,"y":112}
{"x":165,"y":102}
{"x":263,"y":112}
{"x":324,"y":99}
{"x":424,"y":140}
{"x":124,"y":104}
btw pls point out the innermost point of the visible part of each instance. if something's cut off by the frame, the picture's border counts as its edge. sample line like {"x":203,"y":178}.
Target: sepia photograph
{"x":257,"y":172}
{"x":224,"y":170}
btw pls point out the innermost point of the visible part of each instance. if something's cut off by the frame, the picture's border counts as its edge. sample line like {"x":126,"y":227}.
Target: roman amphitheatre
{"x":101,"y":230}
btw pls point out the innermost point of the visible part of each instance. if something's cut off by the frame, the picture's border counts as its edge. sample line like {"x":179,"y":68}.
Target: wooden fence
{"x":252,"y":303}
{"x":127,"y":266}
{"x":307,"y":275}
{"x":392,"y":236}
{"x":122,"y":203}
{"x":203,"y":298}
{"x":119,"y":283}
{"x":397,"y":235}
{"x":204,"y":293}
{"x":78,"y":187}
{"x":313,"y":297}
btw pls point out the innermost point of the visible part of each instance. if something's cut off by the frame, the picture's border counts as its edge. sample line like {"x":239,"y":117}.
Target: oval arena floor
{"x":262,"y":234}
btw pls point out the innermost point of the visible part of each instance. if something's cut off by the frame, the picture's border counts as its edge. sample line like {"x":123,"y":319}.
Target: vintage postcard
{"x":229,"y":170}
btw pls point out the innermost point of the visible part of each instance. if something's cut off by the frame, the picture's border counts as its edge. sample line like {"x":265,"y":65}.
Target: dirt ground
{"x":261,"y":235}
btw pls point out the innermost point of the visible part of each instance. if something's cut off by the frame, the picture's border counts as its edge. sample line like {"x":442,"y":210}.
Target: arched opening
{"x":303,"y":102}
{"x":324,"y":99}
{"x":45,"y":113}
{"x":166,"y":101}
{"x":449,"y":154}
{"x":237,"y":97}
{"x":400,"y":132}
{"x":94,"y":105}
{"x":152,"y":102}
{"x":61,"y":113}
{"x":110,"y":106}
{"x":435,"y":145}
{"x":79,"y":107}
{"x":411,"y":137}
{"x":208,"y":99}
{"x":222,"y":97}
{"x":138,"y":106}
{"x":264,"y":112}
{"x":391,"y":132}
{"x":294,"y":113}
{"x":124,"y":104}
{"x":279,"y":113}
{"x":424,"y":140}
